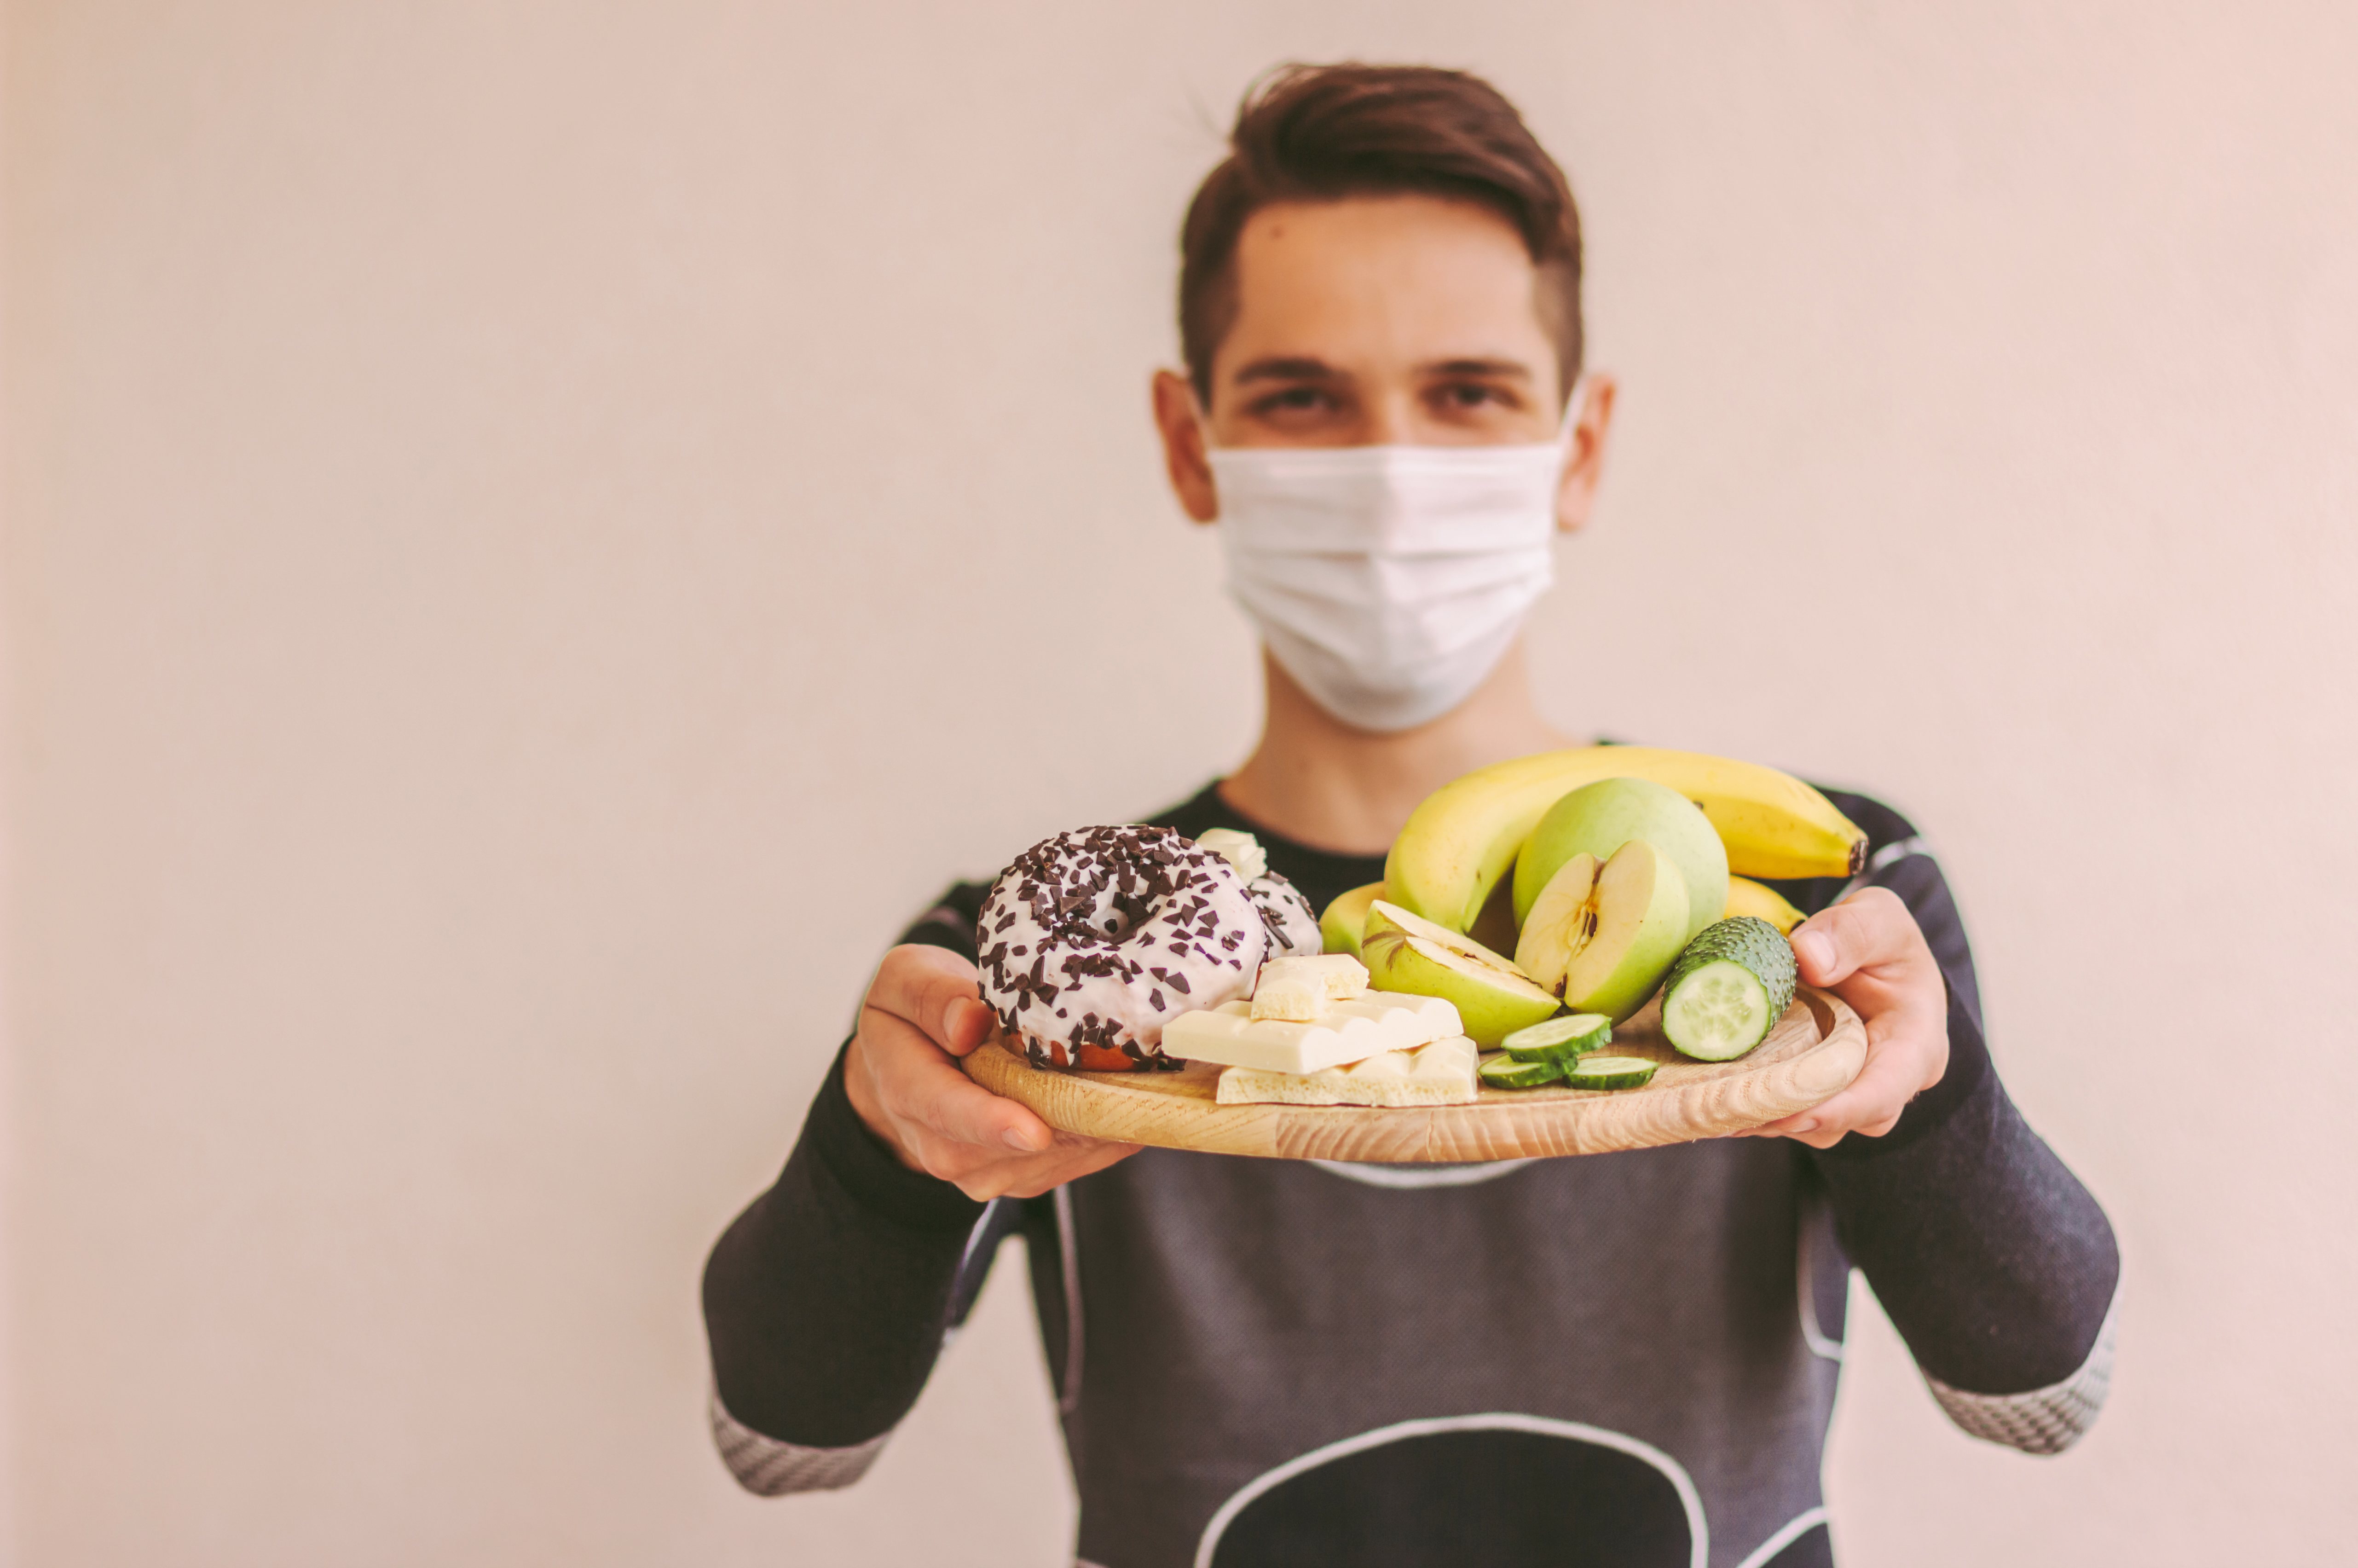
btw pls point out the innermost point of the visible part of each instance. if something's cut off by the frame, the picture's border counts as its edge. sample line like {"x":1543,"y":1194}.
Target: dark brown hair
{"x":1323,"y":132}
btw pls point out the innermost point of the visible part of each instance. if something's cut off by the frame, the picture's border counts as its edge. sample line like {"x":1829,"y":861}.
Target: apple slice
{"x":1603,"y":936}
{"x":1406,"y":952}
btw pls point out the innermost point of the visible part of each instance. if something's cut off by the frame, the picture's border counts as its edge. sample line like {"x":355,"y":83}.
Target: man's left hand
{"x":1867,"y":950}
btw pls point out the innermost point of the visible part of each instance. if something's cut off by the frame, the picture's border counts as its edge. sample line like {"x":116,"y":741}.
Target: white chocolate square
{"x":1343,"y":976}
{"x":1440,"y":1073}
{"x":1297,"y":989}
{"x":1295,"y":998}
{"x":1353,"y":1031}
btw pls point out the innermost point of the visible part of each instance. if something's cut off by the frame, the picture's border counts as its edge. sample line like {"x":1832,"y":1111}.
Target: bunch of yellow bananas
{"x":1464,"y":836}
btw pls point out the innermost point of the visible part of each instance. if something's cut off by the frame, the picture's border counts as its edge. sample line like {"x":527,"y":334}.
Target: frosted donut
{"x":1292,"y":924}
{"x":1092,"y":941}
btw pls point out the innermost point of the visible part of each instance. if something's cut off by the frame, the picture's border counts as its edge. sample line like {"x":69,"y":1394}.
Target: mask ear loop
{"x":1204,"y":428}
{"x":1574,"y":400}
{"x":1572,"y":404}
{"x":1203,"y":415}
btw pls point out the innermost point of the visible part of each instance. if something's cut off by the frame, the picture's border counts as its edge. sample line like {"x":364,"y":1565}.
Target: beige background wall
{"x":524,"y":520}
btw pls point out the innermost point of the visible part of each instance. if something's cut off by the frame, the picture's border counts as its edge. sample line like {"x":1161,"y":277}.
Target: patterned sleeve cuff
{"x":768,"y":1467}
{"x":2041,"y":1420}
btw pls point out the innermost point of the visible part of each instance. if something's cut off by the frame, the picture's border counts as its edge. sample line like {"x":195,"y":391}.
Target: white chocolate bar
{"x":1241,"y":850}
{"x":1298,"y":989}
{"x":1353,"y":1031}
{"x":1438,"y":1073}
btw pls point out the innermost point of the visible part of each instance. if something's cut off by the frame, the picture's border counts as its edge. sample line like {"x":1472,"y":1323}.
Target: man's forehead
{"x":1392,"y":278}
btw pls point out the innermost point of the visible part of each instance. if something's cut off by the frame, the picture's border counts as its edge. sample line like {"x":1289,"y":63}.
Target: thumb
{"x":1819,"y":955}
{"x":1827,"y":948}
{"x":966,"y":1023}
{"x":934,"y":990}
{"x":1871,"y":926}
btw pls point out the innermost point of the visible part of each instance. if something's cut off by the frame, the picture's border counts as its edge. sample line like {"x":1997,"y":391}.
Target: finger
{"x":1030,"y":1178}
{"x":942,"y":1100}
{"x":1871,"y":1104}
{"x":929,"y":1097}
{"x":982,"y":1173}
{"x":1093,"y":1155}
{"x":1872,"y":926}
{"x":922,"y":986}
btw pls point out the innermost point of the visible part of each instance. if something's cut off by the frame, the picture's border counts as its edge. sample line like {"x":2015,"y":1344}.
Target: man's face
{"x":1380,"y":321}
{"x":1393,"y":321}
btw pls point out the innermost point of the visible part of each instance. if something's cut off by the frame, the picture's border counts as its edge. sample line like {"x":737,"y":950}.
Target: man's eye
{"x":1294,"y":399}
{"x":1469,"y":395}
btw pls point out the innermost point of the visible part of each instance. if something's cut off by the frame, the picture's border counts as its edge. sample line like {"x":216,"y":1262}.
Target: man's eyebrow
{"x":1283,"y":368}
{"x":1510,"y":369}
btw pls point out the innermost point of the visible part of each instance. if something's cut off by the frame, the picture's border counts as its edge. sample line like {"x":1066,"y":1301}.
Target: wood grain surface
{"x":1814,"y":1052}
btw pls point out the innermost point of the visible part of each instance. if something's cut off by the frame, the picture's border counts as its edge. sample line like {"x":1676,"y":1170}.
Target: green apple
{"x":1406,"y":952}
{"x":1599,"y":819}
{"x":1601,"y":937}
{"x":1346,"y":919}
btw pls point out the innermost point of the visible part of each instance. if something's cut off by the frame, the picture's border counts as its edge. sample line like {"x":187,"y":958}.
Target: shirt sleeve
{"x":827,"y":1300}
{"x":1996,"y":1264}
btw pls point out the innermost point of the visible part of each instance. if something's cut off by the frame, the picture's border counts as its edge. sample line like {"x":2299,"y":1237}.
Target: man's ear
{"x":1183,"y":447}
{"x":1577,"y":492}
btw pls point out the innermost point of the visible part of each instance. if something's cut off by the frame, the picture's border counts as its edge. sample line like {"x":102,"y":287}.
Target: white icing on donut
{"x":1292,"y":924}
{"x":1092,"y":941}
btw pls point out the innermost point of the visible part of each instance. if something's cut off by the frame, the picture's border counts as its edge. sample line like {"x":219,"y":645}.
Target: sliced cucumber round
{"x":1609,"y":1073}
{"x":1561,"y":1039}
{"x":1718,"y":1011}
{"x":1500,"y":1071}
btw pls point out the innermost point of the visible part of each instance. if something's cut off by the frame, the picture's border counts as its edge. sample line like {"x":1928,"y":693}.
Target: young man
{"x":1626,"y":1358}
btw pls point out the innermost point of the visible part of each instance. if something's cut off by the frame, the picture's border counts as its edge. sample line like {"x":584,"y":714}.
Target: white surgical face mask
{"x":1389,"y":581}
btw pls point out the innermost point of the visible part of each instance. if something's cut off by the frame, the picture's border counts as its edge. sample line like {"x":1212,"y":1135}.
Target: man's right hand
{"x":923,"y":1008}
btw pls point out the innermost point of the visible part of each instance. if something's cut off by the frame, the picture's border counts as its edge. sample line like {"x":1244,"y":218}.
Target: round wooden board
{"x":1814,"y":1053}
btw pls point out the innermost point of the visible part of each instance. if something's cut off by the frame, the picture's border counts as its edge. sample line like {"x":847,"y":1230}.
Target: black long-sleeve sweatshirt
{"x":1623,"y":1359}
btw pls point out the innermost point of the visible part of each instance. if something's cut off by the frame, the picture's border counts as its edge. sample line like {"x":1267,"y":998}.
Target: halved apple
{"x":1601,"y":937}
{"x":1599,"y":819}
{"x":1406,"y":952}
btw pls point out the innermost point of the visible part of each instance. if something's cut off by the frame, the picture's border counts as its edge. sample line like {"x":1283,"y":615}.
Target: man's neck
{"x":1320,"y":783}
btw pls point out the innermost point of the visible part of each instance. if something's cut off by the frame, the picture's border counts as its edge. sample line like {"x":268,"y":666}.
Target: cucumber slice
{"x":1560,"y":1039}
{"x":1728,"y":988}
{"x":1719,"y":1011}
{"x":1501,"y":1071}
{"x":1609,"y":1073}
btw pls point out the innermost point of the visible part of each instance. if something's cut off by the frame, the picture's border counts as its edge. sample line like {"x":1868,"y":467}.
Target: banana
{"x":1463,"y":837}
{"x":1750,"y":898}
